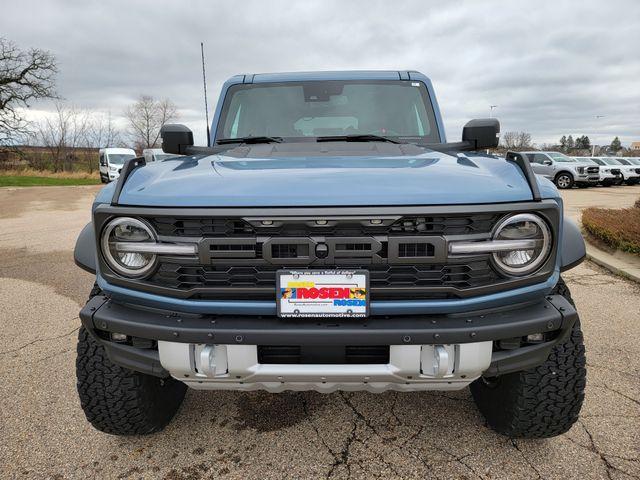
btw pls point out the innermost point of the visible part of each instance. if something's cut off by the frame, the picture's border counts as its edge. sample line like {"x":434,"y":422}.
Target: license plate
{"x":322,"y":293}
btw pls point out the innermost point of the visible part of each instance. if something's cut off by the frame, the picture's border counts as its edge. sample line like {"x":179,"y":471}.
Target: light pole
{"x":593,"y":146}
{"x":491,"y":107}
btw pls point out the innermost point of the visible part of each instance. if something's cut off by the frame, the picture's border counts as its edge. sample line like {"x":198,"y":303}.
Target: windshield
{"x":634,"y":161}
{"x":558,"y":157}
{"x":119,"y":158}
{"x":586,"y":160}
{"x":611,"y":161}
{"x":297,"y":111}
{"x":623,"y":161}
{"x":598,"y":161}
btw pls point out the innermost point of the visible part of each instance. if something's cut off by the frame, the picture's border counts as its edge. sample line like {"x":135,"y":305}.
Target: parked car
{"x":564,"y":171}
{"x":155,"y":154}
{"x":633,"y":176}
{"x":329,"y":238}
{"x":111,"y":161}
{"x":629,"y":172}
{"x":609,"y":175}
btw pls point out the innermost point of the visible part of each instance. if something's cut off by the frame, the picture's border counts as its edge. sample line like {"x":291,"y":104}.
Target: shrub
{"x":637,"y":204}
{"x":618,"y":228}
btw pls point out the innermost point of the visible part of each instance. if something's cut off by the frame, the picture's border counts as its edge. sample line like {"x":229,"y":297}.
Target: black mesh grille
{"x":262,"y":279}
{"x":409,"y":225}
{"x":323,"y":354}
{"x":234,"y":263}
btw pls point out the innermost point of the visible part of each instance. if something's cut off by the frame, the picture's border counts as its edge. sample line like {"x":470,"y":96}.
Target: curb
{"x":599,"y":257}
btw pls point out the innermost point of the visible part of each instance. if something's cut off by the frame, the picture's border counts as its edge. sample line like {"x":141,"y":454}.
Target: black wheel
{"x":539,"y":402}
{"x":564,"y":180}
{"x":120,"y":401}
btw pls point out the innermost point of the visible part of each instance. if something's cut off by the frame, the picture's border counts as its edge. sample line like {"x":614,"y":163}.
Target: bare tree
{"x":101,"y":131}
{"x":63,"y":133}
{"x":516,"y":140}
{"x":146,"y":117}
{"x":25,"y":75}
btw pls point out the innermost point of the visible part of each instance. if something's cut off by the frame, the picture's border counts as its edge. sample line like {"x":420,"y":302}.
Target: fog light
{"x":118,"y":337}
{"x":535,"y":338}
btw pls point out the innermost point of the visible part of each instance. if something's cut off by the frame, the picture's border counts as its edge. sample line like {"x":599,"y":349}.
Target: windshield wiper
{"x":356,"y":138}
{"x":261,"y":139}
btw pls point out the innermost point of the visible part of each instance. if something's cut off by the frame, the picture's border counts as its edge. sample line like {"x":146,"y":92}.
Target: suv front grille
{"x":401,"y":225}
{"x":386,"y":281}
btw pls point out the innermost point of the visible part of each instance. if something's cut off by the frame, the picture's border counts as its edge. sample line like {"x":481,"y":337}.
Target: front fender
{"x":573,"y":250}
{"x":84,"y":253}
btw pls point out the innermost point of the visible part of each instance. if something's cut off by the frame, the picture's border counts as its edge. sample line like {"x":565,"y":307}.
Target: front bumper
{"x":409,"y":336}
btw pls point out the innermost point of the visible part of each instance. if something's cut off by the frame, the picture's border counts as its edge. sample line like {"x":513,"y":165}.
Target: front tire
{"x":540,"y":402}
{"x":564,"y":180}
{"x":120,"y":401}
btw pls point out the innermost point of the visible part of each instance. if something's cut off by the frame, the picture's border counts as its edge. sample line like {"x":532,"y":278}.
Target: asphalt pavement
{"x":258,"y":435}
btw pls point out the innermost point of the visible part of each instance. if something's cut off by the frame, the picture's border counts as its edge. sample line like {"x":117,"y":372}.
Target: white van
{"x":111,"y":161}
{"x":155,"y":154}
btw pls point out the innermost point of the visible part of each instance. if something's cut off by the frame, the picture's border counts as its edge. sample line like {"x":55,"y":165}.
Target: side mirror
{"x":547,"y":162}
{"x":482,"y":133}
{"x":176,"y":138}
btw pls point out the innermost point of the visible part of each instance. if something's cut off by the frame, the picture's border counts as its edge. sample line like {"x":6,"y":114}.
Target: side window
{"x":530,"y":157}
{"x":539,"y":158}
{"x":102,"y":162}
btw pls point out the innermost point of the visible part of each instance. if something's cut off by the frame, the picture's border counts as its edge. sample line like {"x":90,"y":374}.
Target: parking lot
{"x":292,"y":435}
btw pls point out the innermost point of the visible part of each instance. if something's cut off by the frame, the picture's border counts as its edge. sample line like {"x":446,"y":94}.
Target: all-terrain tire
{"x":540,"y":402}
{"x":120,"y":401}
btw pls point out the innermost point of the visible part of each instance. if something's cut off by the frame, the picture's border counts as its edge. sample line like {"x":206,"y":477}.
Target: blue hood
{"x":430,"y":178}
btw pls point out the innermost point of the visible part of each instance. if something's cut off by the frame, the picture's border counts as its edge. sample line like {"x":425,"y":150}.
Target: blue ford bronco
{"x":330,"y":238}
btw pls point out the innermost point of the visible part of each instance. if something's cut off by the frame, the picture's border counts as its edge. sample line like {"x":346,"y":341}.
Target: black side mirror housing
{"x":482,"y":133}
{"x":176,"y":138}
{"x":547,"y":162}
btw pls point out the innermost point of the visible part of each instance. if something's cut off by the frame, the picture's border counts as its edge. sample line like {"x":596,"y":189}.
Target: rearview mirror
{"x":482,"y":133}
{"x":176,"y":138}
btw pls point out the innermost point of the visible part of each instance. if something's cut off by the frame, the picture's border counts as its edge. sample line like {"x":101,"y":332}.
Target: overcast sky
{"x":550,"y":66}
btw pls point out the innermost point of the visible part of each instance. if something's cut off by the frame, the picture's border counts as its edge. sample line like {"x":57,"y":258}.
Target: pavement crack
{"x":594,"y":448}
{"x":515,"y":445}
{"x":621,"y":394}
{"x":307,"y":412}
{"x":48,"y":339}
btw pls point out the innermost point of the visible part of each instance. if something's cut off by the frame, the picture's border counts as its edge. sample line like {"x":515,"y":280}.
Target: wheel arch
{"x":84,"y":253}
{"x":572,"y":249}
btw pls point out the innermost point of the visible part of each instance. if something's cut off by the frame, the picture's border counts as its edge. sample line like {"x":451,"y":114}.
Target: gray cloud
{"x":550,"y":66}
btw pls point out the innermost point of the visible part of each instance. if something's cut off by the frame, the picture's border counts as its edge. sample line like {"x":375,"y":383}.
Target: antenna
{"x":204,"y":82}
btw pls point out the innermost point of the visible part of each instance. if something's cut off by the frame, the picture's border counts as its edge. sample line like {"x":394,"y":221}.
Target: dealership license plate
{"x":322,"y":293}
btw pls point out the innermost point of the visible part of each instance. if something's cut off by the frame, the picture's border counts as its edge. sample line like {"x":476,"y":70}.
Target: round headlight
{"x":524,"y":226}
{"x":118,"y":246}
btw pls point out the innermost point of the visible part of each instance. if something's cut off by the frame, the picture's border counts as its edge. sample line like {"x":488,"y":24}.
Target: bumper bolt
{"x":406,"y":339}
{"x":210,"y":335}
{"x":239,"y":338}
{"x":103,"y":325}
{"x":472,"y":334}
{"x":469,"y":320}
{"x":436,"y":335}
{"x":550,"y":325}
{"x":175,"y":334}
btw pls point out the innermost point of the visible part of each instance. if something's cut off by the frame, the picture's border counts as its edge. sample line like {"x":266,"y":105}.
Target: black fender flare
{"x":84,"y":253}
{"x":573,"y":249}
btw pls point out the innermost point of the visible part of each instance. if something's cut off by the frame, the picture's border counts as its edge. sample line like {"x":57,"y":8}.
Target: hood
{"x":429,"y":178}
